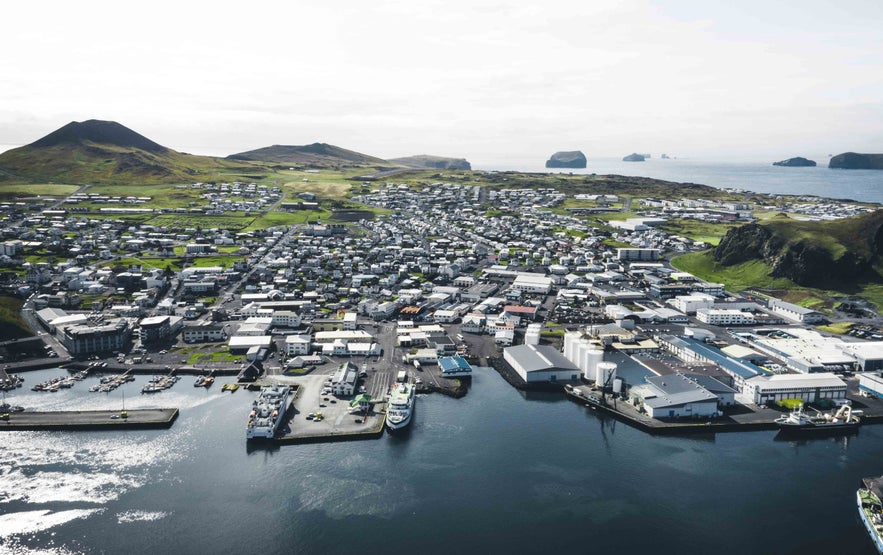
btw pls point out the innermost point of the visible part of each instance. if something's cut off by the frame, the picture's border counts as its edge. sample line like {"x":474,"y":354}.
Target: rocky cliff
{"x":567,"y":159}
{"x":856,"y":161}
{"x":814,"y":254}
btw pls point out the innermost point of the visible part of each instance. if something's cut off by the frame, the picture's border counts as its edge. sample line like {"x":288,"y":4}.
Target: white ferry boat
{"x":267,"y":411}
{"x":400,"y":406}
{"x":870,"y":509}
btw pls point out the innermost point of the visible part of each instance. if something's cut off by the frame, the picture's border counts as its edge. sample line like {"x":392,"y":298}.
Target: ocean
{"x":750,"y":175}
{"x":498,"y":471}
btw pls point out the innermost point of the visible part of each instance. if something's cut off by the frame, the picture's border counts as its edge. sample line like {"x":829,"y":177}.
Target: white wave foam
{"x":28,"y":522}
{"x":140,"y":516}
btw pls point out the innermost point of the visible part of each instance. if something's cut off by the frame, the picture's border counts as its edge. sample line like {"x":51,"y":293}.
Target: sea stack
{"x":633,"y":157}
{"x":567,"y":159}
{"x":797,"y":162}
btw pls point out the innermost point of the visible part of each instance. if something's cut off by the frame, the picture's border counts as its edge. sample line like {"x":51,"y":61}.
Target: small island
{"x":567,"y":159}
{"x":796,"y":162}
{"x":856,"y":161}
{"x":633,"y":157}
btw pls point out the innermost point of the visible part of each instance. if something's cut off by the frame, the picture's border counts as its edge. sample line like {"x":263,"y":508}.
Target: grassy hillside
{"x":112,"y":164}
{"x":820,"y":259}
{"x":314,"y":155}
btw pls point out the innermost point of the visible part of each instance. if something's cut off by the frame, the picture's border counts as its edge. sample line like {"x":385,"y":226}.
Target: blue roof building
{"x":454,"y":366}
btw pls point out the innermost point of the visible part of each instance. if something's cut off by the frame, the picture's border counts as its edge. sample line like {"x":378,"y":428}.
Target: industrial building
{"x":809,"y":387}
{"x":795,"y":312}
{"x":724,"y":317}
{"x":674,"y":396}
{"x":540,"y":363}
{"x":454,"y":366}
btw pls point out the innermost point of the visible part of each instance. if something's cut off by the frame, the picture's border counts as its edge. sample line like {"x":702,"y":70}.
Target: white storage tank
{"x":571,"y":343}
{"x":589,"y":360}
{"x":605,"y":373}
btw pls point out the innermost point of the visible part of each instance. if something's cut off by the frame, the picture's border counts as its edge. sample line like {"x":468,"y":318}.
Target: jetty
{"x":89,"y":420}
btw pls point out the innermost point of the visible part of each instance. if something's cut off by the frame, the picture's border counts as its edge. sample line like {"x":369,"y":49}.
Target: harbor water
{"x":498,"y":471}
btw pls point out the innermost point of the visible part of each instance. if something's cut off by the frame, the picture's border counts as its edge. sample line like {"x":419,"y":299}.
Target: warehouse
{"x":809,"y":387}
{"x":674,"y":396}
{"x":540,"y":363}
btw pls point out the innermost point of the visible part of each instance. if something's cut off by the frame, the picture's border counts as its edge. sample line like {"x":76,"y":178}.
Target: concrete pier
{"x":89,"y":420}
{"x":336,"y":424}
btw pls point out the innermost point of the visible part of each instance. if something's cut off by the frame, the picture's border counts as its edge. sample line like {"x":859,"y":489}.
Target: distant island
{"x":567,"y":159}
{"x":633,"y":157}
{"x":856,"y":161}
{"x":429,"y":162}
{"x":796,"y":162}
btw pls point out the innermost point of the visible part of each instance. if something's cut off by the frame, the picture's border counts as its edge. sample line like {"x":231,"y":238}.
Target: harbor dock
{"x":90,"y":420}
{"x":746,"y":420}
{"x":336,"y":422}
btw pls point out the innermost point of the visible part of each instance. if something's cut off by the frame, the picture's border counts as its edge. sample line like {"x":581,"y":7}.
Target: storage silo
{"x":605,"y":373}
{"x":590,"y":358}
{"x":571,"y":342}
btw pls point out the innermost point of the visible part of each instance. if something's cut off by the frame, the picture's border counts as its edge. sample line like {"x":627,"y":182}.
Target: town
{"x":449,"y":279}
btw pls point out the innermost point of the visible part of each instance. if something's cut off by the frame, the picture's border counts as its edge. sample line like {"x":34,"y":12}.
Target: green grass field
{"x":36,"y":189}
{"x":696,"y":230}
{"x":11,"y":324}
{"x":736,"y":278}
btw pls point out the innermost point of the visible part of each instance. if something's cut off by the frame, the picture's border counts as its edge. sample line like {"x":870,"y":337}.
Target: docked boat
{"x":870,"y":509}
{"x":200,"y":381}
{"x":400,"y":406}
{"x":798,"y":421}
{"x":268,"y":411}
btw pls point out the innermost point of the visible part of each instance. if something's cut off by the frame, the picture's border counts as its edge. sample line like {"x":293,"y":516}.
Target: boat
{"x":400,"y":406}
{"x":798,"y":421}
{"x":200,"y":381}
{"x":231,"y":387}
{"x":870,"y":509}
{"x":268,"y":411}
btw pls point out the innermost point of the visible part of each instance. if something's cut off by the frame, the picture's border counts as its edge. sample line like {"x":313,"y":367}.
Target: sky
{"x":495,"y":82}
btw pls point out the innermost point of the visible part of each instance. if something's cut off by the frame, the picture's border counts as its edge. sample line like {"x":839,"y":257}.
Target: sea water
{"x":498,"y":471}
{"x":749,"y":175}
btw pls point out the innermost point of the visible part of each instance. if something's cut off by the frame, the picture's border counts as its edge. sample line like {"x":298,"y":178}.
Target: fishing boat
{"x":799,"y":422}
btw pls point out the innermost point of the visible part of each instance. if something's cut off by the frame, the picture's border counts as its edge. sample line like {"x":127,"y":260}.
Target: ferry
{"x":268,"y":411}
{"x":870,"y":509}
{"x":798,"y":421}
{"x":400,"y":406}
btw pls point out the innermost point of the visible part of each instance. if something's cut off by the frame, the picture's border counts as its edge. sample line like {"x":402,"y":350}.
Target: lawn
{"x":839,"y":328}
{"x":215,"y":356}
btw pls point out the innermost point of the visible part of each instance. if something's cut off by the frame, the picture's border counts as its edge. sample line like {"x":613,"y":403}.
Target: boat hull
{"x":876,"y":538}
{"x":398,"y":425}
{"x":818,"y":429}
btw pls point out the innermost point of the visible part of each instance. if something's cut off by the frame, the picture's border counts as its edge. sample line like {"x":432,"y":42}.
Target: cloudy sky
{"x":495,"y":82}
